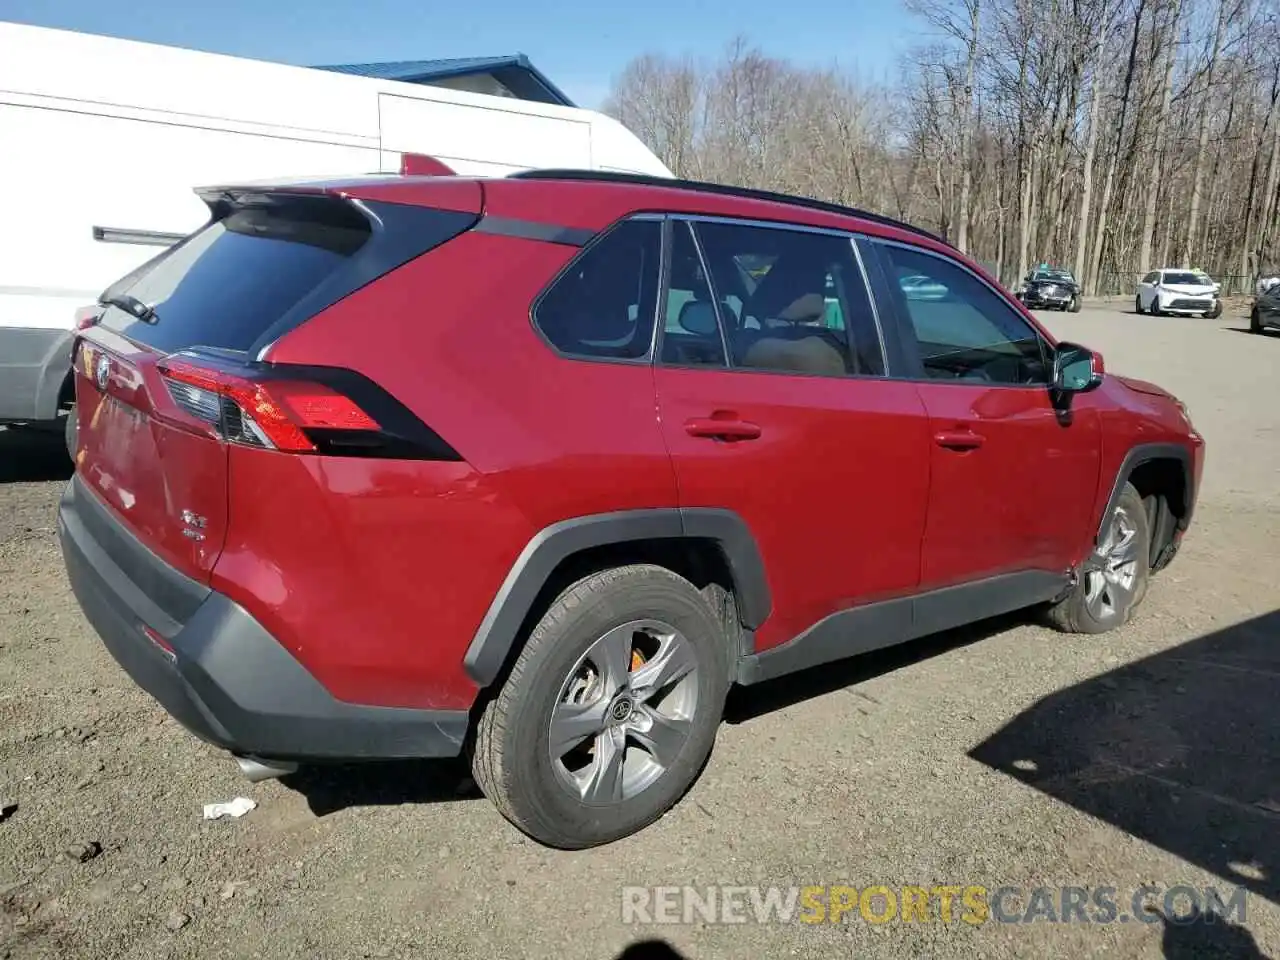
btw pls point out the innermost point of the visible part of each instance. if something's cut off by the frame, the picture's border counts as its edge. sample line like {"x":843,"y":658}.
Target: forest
{"x":1112,"y":137}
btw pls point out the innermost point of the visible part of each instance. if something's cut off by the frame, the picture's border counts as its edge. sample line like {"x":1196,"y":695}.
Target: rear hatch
{"x":168,"y":376}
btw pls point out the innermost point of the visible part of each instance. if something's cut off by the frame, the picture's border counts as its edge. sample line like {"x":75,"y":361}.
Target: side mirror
{"x":1076,"y":369}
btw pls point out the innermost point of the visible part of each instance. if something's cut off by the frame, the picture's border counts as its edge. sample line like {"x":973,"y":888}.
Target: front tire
{"x":1075,"y":304}
{"x":1137,"y":305}
{"x":1255,"y":321}
{"x":610,"y":710}
{"x":1113,"y":580}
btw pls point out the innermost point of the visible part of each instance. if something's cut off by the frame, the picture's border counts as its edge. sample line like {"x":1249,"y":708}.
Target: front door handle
{"x":958,"y":439}
{"x":717,"y":428}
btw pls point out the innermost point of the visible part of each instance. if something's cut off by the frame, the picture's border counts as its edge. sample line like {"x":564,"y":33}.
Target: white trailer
{"x":103,"y":140}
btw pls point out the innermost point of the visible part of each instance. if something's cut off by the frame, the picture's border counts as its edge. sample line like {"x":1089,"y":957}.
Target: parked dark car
{"x":1265,"y":314}
{"x":339,"y":495}
{"x":1050,"y":288}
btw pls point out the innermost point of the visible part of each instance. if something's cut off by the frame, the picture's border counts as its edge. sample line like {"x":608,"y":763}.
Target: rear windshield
{"x":1188,"y":279}
{"x":226,"y":284}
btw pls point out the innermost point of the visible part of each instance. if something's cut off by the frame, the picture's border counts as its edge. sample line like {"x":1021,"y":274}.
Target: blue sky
{"x":579,"y":44}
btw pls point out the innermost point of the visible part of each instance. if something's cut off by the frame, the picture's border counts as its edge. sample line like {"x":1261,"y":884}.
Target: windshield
{"x":1187,"y":279}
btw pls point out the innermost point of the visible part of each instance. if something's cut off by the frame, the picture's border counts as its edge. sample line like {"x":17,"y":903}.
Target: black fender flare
{"x":500,"y":628}
{"x":1144,"y":453}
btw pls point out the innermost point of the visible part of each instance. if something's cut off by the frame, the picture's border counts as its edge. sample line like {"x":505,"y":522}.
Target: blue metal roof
{"x":515,"y":72}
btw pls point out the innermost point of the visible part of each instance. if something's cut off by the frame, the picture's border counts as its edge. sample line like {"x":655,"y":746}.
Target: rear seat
{"x":801,"y":349}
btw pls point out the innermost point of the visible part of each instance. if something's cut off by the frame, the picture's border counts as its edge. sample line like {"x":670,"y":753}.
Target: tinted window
{"x":691,"y":334}
{"x":791,"y":300}
{"x":226,"y":284}
{"x":1187,"y":279}
{"x":964,"y":330}
{"x":1151,"y":278}
{"x":603,"y":305}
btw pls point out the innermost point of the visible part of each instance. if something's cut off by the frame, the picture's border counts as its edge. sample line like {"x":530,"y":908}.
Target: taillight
{"x":275,"y":414}
{"x":291,"y":410}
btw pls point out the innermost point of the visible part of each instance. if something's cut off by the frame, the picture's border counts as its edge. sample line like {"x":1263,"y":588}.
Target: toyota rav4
{"x":531,"y":470}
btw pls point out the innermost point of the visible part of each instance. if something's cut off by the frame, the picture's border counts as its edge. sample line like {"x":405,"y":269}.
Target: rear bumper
{"x":226,"y":679}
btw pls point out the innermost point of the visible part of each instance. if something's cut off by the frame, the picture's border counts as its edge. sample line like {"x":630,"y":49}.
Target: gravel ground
{"x":1005,"y":754}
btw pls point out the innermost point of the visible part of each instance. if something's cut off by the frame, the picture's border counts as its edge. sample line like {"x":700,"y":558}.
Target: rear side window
{"x":799,"y":303}
{"x":691,"y":336}
{"x":603,"y":305}
{"x":226,"y":284}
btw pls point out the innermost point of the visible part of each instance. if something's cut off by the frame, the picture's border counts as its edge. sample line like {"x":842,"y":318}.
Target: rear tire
{"x":1113,"y":580}
{"x":632,"y":665}
{"x":71,"y":432}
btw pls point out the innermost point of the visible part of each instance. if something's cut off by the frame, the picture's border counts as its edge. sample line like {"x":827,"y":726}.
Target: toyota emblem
{"x":102,"y":370}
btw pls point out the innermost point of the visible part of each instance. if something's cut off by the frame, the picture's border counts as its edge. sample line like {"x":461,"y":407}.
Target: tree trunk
{"x":1157,"y":153}
{"x":1202,"y":142}
{"x":1100,"y":231}
{"x":1091,"y":146}
{"x":1253,"y":235}
{"x":966,"y":131}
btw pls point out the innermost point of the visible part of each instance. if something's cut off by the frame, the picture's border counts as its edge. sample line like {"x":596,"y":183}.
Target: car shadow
{"x":329,"y":788}
{"x":1201,"y":936}
{"x":650,"y":950}
{"x":32,"y":456}
{"x":1265,"y":332}
{"x":1181,"y":750}
{"x":748,"y":703}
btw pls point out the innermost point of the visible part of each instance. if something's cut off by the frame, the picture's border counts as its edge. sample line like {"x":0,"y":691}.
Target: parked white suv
{"x":1178,"y":292}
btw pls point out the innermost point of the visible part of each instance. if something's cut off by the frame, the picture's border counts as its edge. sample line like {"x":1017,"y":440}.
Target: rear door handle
{"x":958,"y":439}
{"x":716,"y":428}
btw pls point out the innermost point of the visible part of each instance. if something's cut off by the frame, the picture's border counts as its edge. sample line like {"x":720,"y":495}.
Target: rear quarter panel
{"x":410,"y":554}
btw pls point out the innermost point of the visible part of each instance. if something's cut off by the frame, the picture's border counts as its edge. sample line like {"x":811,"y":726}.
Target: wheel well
{"x":67,"y":392}
{"x":1162,"y":484}
{"x":700,"y":560}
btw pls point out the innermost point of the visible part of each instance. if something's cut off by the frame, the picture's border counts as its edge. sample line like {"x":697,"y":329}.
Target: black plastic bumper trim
{"x":500,"y":628}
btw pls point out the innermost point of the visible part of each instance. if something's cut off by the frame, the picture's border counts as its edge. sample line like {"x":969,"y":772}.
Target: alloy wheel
{"x":624,"y":713}
{"x":1111,"y":578}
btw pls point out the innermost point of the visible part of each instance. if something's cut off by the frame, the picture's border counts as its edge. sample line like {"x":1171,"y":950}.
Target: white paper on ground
{"x":236,"y":808}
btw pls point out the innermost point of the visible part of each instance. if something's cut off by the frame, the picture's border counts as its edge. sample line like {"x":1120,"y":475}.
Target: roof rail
{"x":723,"y":189}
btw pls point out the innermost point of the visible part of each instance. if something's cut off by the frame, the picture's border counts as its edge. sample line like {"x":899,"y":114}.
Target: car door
{"x":1147,"y":289}
{"x":775,"y":405}
{"x":1013,"y":478}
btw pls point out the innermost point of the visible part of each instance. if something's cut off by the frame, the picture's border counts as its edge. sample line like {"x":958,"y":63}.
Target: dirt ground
{"x":1002,"y":755}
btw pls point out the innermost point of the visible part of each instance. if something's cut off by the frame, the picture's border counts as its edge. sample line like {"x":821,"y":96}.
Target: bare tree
{"x":1104,"y":134}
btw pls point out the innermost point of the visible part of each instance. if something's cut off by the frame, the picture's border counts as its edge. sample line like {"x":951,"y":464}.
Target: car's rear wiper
{"x":132,"y":306}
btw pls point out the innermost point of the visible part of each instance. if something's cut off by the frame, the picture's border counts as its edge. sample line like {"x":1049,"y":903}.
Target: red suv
{"x":533,"y":469}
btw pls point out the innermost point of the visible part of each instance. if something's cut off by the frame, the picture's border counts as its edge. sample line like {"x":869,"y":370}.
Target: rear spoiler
{"x":411,"y":165}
